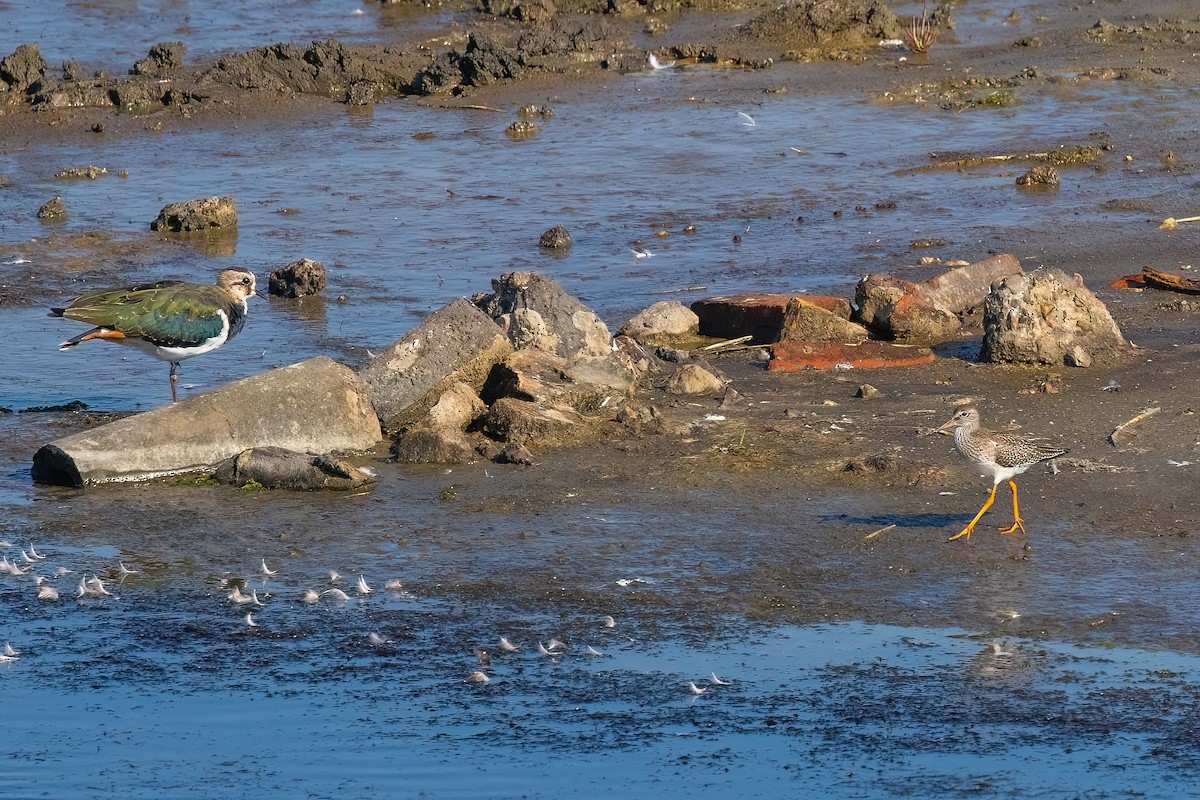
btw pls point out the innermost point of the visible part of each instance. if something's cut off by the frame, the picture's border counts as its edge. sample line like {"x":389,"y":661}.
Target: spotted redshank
{"x":170,"y":320}
{"x":1004,"y":455}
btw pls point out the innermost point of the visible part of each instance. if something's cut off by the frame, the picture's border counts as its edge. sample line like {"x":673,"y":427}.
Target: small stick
{"x":884,"y":529}
{"x":727,"y":342}
{"x":1149,"y":412}
{"x":1170,"y":222}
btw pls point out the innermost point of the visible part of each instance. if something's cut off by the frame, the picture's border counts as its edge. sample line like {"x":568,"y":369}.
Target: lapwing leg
{"x":174,"y":380}
{"x":1017,"y":521}
{"x":966,"y":532}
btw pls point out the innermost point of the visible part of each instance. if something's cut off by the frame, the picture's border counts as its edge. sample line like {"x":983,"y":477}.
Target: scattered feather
{"x":10,"y":651}
{"x":609,"y":622}
{"x":334,"y":577}
{"x":591,"y":651}
{"x":394,"y":585}
{"x":696,"y":689}
{"x":267,"y":571}
{"x":47,"y":592}
{"x":362,"y":586}
{"x":250,"y":623}
{"x":336,"y":594}
{"x":309,"y":596}
{"x":656,"y":64}
{"x":747,"y":120}
{"x":508,"y":646}
{"x":717,"y":681}
{"x":239,"y":597}
{"x":478,"y":677}
{"x":377,"y":640}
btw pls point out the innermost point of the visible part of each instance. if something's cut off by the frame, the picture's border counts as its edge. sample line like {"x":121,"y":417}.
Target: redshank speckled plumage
{"x":1004,"y":455}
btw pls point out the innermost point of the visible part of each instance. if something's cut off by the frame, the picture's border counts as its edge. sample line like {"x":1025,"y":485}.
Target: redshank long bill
{"x":1004,"y":455}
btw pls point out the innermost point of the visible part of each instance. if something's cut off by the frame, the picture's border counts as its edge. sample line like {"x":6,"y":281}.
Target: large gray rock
{"x":456,"y":343}
{"x":316,"y":406}
{"x":280,"y":468}
{"x":1048,"y":317}
{"x":534,"y":311}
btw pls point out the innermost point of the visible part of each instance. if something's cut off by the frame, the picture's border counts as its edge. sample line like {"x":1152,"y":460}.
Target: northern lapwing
{"x":170,"y":320}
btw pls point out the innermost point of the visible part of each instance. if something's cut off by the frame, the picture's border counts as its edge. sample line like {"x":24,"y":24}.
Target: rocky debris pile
{"x":1048,"y":317}
{"x":209,"y":213}
{"x":928,"y":312}
{"x":297,"y":279}
{"x":529,"y":366}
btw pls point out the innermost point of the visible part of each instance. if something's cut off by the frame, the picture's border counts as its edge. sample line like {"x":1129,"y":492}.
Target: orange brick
{"x":795,"y":356}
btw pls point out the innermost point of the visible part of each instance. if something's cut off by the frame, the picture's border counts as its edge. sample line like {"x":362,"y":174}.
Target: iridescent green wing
{"x":169,"y":312}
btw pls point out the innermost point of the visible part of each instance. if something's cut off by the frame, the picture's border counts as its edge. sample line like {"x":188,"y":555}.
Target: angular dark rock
{"x":53,"y":209}
{"x":197,"y":215}
{"x":163,"y":59}
{"x":557,"y":238}
{"x":24,"y":70}
{"x":297,"y":279}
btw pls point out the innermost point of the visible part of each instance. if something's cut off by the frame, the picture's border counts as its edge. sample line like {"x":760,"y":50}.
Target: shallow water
{"x":406,"y":224}
{"x":163,"y":689}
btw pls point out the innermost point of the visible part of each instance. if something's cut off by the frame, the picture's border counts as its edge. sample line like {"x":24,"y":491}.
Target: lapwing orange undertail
{"x":170,"y":320}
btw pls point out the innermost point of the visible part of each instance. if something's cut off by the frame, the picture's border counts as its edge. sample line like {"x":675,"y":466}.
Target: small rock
{"x":557,"y":238}
{"x":867,"y":391}
{"x":53,"y":209}
{"x":297,"y":279}
{"x":197,"y":215}
{"x":694,"y":379}
{"x":425,"y":444}
{"x":732,"y":399}
{"x":164,"y":58}
{"x":668,"y":319}
{"x":515,"y":454}
{"x":521,"y":129}
{"x":1043,"y":175}
{"x":280,"y":468}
